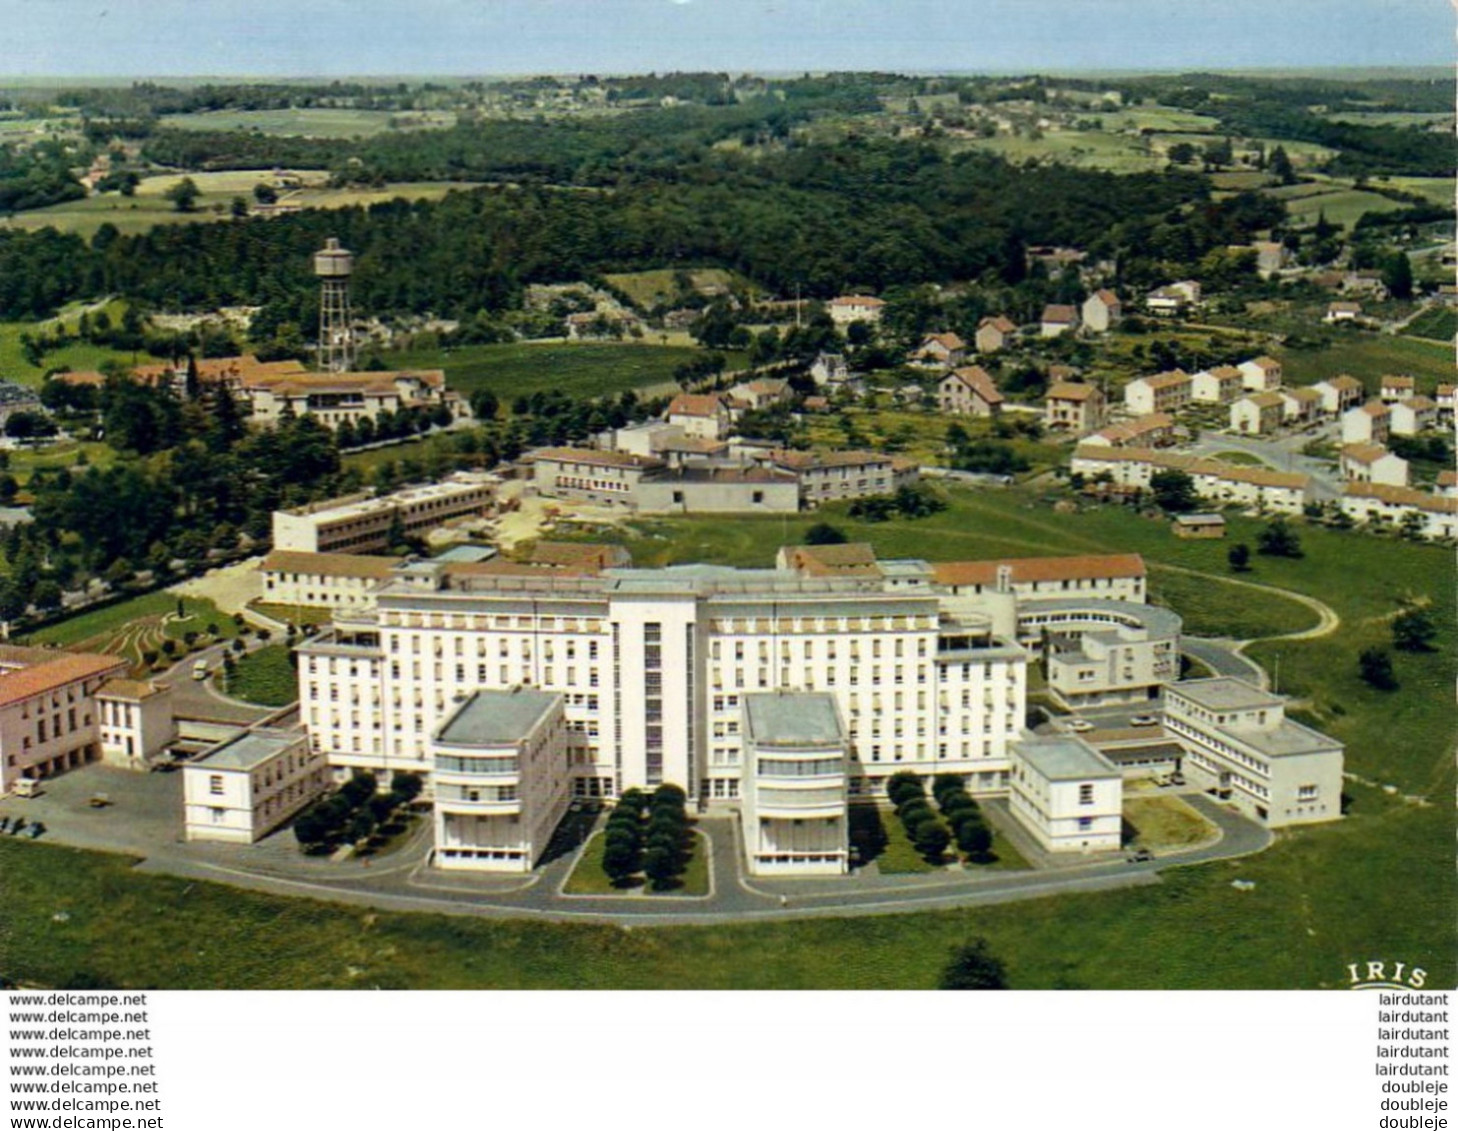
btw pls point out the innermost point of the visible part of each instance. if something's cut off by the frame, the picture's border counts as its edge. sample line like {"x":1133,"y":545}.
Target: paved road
{"x":145,"y":821}
{"x":1221,"y":657}
{"x":200,"y":699}
{"x":1282,"y":453}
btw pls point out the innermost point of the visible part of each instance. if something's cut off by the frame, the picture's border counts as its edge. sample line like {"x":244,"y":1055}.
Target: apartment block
{"x":361,"y":523}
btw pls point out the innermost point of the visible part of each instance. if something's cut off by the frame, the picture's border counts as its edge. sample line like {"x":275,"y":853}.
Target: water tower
{"x":333,"y":266}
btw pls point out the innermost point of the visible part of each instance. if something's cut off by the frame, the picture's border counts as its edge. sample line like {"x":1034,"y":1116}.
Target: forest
{"x":821,"y":219}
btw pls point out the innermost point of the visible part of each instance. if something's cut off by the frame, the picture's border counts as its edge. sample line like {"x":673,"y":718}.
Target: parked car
{"x":200,"y":669}
{"x":1078,"y":726}
{"x":1144,"y":720}
{"x":1140,"y":856}
{"x":1177,"y":779}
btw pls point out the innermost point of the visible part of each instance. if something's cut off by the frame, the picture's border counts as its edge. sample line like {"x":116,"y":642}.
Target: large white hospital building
{"x":655,"y":668}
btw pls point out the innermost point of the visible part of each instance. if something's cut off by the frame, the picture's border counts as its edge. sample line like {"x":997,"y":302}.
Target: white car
{"x":1078,"y":726}
{"x":1144,"y":720}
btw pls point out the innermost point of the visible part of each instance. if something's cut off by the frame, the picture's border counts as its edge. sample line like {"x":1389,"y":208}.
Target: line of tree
{"x":964,"y":816}
{"x":928,"y":832}
{"x":355,"y":811}
{"x":648,"y":834}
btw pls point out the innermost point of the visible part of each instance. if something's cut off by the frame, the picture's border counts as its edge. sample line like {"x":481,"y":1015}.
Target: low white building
{"x":1393,"y":389}
{"x":845,"y":309}
{"x":1299,"y":406}
{"x":1067,"y":794}
{"x":1414,"y":415}
{"x":1367,"y":424}
{"x":1107,"y":652}
{"x":323,"y":581}
{"x":1372,"y":463}
{"x":245,"y":787}
{"x":500,"y":781}
{"x":1437,"y":515}
{"x":362,"y":522}
{"x":1257,"y":415}
{"x":1260,"y":374}
{"x":1239,"y":743}
{"x":48,"y":710}
{"x":135,"y":721}
{"x":1283,"y":492}
{"x":794,"y":791}
{"x":700,"y":415}
{"x":1338,"y":394}
{"x":1162,"y":392}
{"x":1219,"y":385}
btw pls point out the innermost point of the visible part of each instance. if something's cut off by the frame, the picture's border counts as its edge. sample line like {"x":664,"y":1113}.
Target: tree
{"x":1413,"y":630}
{"x":407,"y":785}
{"x":823,"y":534}
{"x":621,"y":858}
{"x":661,"y":864}
{"x":1278,"y":540}
{"x":1279,"y":166}
{"x":1174,"y":491}
{"x":47,"y":596}
{"x":972,"y":966}
{"x":1375,"y":667}
{"x":1239,"y":557}
{"x":1397,"y":275}
{"x":265,"y":194}
{"x":183,"y":195}
{"x":974,"y":837}
{"x":931,"y":837}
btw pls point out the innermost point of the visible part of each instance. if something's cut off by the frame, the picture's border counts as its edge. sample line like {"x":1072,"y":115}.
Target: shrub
{"x":973,"y":967}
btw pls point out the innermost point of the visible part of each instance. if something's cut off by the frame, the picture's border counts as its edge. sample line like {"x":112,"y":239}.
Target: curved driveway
{"x":410,"y":885}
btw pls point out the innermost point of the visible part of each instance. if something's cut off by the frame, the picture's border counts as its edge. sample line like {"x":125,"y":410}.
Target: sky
{"x":502,"y":37}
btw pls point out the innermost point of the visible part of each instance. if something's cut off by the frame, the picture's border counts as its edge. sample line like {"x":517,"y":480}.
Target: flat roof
{"x":250,"y":749}
{"x":1225,"y":693}
{"x":466,"y":554}
{"x":1064,"y":758}
{"x":497,"y":718}
{"x":792,"y":718}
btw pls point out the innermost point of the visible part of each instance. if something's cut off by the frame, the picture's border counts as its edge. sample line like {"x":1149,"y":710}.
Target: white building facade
{"x":247,"y":786}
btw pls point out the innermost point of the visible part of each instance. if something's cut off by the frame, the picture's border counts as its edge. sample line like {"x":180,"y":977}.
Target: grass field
{"x":649,"y":288}
{"x":1437,"y":189}
{"x":1094,"y":149}
{"x":80,"y":356}
{"x":320,"y":122}
{"x":265,"y":677}
{"x":584,"y":369}
{"x":1342,"y":206}
{"x":24,"y":462}
{"x":1369,"y":358}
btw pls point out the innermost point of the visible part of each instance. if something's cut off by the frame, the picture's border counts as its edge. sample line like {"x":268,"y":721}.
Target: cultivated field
{"x":131,"y":628}
{"x":1368,"y":358}
{"x":309,"y":122}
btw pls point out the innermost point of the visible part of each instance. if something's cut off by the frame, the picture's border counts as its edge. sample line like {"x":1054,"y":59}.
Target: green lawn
{"x":265,"y":677}
{"x":79,"y":356}
{"x":584,"y":369}
{"x":297,"y":614}
{"x":588,"y":878}
{"x":877,"y":836}
{"x":1165,"y":823}
{"x":1368,"y":358}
